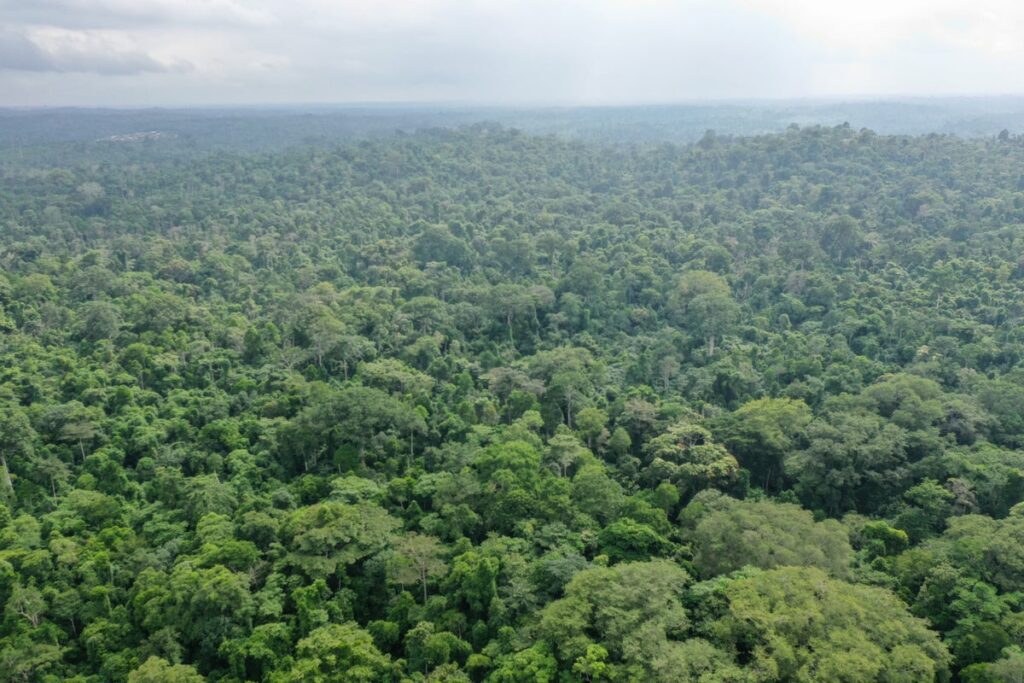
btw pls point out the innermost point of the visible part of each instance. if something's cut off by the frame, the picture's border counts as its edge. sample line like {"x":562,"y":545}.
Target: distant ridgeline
{"x":296,"y":397}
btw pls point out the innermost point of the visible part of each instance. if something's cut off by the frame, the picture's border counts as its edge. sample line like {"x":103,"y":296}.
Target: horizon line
{"x":527,"y":104}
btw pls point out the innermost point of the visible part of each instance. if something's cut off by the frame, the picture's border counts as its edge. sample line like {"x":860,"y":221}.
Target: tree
{"x":760,"y":433}
{"x":841,"y":238}
{"x":325,"y":537}
{"x":668,"y":367}
{"x":209,"y":606}
{"x":702,"y":301}
{"x":349,"y":349}
{"x":16,"y":442}
{"x":620,"y":443}
{"x":592,"y":666}
{"x":532,"y":665}
{"x":98,"y":320}
{"x":564,"y":450}
{"x":570,"y":387}
{"x":437,"y":243}
{"x":473,"y":581}
{"x":633,"y":611}
{"x":852,"y":462}
{"x":513,"y":304}
{"x":591,"y":422}
{"x":338,"y":653}
{"x":517,"y":457}
{"x":355,"y":418}
{"x":256,"y":655}
{"x":428,"y":648}
{"x":799,"y":624}
{"x":985,"y":548}
{"x":628,"y":541}
{"x":687,"y":456}
{"x":728,"y":534}
{"x":596,"y":493}
{"x":158,"y":670}
{"x":570,"y":375}
{"x":78,"y":426}
{"x":1007,"y":669}
{"x":929,"y":504}
{"x":394,"y":376}
{"x":417,"y":558}
{"x":23,"y":659}
{"x":28,"y":603}
{"x":325,"y":333}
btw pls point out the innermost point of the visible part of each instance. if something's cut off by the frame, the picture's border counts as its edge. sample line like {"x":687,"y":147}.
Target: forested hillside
{"x":476,"y":405}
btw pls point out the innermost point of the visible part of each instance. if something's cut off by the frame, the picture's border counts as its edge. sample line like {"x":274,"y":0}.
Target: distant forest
{"x":477,"y":403}
{"x":265,"y":129}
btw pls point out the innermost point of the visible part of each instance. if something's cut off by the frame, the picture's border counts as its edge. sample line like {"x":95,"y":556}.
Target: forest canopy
{"x":479,"y":405}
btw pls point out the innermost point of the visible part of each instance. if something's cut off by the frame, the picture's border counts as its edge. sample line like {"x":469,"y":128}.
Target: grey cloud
{"x":20,"y":53}
{"x":124,"y":14}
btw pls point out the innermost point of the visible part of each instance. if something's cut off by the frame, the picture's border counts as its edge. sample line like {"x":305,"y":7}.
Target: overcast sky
{"x":181,"y":52}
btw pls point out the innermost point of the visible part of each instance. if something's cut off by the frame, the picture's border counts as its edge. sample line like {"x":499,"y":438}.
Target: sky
{"x":504,"y":52}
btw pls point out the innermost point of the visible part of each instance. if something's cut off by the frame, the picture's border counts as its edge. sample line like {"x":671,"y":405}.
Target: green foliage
{"x":703,"y":303}
{"x":628,"y":541}
{"x":761,"y":433}
{"x":475,"y":405}
{"x":729,"y":534}
{"x":417,"y":559}
{"x":532,"y":665}
{"x":337,"y":652}
{"x":327,"y":536}
{"x":157,"y":670}
{"x":798,"y":624}
{"x":687,"y":456}
{"x":632,"y":611}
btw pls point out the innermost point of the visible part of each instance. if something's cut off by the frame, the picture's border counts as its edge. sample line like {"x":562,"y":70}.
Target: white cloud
{"x":594,"y":51}
{"x":872,"y":28}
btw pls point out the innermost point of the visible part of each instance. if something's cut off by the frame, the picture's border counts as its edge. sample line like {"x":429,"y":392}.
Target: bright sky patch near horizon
{"x":223,"y":52}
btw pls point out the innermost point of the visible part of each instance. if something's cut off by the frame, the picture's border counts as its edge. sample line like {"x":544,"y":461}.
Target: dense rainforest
{"x":479,"y":405}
